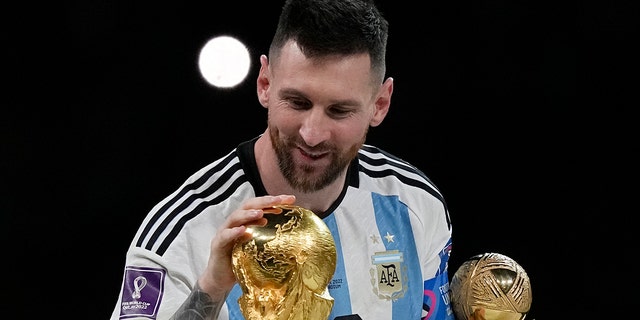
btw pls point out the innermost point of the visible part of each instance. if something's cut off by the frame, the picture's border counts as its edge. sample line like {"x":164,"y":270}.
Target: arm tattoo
{"x":198,"y":306}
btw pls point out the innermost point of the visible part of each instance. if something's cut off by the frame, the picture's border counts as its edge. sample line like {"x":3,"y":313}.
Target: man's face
{"x":319,"y":114}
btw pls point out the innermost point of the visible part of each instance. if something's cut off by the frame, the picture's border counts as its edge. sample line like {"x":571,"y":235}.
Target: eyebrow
{"x":345,"y":102}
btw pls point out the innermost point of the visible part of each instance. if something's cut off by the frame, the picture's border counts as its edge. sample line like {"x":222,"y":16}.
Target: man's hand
{"x":218,"y":278}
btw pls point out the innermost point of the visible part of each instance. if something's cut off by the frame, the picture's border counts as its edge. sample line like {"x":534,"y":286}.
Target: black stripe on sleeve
{"x":185,"y":189}
{"x":197,"y":210}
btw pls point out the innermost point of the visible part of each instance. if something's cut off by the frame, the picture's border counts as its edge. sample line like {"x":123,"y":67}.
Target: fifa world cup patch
{"x":141,"y":292}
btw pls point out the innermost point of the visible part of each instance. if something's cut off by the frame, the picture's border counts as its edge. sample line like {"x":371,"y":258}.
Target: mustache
{"x":319,"y":148}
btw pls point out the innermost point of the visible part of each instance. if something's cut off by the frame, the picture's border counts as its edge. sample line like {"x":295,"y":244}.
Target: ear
{"x":382,"y":103}
{"x":263,"y":81}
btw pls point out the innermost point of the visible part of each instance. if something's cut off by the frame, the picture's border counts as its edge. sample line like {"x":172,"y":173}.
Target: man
{"x":323,"y":85}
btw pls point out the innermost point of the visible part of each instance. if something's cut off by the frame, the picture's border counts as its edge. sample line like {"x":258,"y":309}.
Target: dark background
{"x":107,"y":114}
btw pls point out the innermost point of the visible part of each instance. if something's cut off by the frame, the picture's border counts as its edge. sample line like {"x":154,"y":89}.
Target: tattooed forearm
{"x":198,"y":306}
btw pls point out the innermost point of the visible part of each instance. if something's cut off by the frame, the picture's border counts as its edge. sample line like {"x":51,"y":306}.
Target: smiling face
{"x":319,"y":112}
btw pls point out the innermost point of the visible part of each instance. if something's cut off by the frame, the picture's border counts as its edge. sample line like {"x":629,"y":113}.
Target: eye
{"x":299,"y":104}
{"x":339,"y":112}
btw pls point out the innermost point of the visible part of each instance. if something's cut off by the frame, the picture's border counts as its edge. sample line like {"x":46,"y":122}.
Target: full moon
{"x":224,"y":61}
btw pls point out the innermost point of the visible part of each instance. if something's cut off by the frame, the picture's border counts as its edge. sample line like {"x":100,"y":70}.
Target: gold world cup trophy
{"x":490,"y":286}
{"x":285,"y":268}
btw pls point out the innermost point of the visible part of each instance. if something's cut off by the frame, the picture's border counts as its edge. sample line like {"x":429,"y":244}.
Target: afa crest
{"x":387,"y":275}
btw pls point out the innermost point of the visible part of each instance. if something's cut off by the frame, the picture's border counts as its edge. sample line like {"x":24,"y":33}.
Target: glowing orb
{"x":224,"y":61}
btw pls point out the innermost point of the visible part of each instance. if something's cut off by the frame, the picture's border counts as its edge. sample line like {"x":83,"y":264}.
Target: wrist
{"x":200,"y":305}
{"x":209,"y":287}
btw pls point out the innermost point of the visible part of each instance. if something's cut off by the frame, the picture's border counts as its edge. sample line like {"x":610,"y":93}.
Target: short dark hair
{"x":330,"y":27}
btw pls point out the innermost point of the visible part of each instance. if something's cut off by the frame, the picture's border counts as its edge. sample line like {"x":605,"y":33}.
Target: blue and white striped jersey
{"x":391,"y":229}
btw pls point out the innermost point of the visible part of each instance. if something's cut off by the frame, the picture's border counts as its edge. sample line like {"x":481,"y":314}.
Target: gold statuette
{"x":490,"y":286}
{"x":285,"y":268}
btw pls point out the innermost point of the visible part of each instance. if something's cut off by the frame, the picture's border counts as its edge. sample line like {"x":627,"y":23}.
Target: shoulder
{"x":210,"y":189}
{"x":220,"y":168}
{"x":385,"y":174}
{"x":379,"y":166}
{"x":229,"y":171}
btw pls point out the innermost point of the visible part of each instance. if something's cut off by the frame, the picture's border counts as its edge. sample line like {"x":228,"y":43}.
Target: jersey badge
{"x":387,"y":275}
{"x":141,"y":292}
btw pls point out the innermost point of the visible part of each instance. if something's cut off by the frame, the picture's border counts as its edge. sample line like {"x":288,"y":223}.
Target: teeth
{"x":311,"y":155}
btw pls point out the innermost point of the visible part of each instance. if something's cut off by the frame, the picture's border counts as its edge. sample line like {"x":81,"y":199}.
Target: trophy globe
{"x":286,"y":266}
{"x":490,"y":286}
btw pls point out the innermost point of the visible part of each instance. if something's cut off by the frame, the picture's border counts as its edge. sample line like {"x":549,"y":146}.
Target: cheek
{"x":286,"y":124}
{"x":349,"y":134}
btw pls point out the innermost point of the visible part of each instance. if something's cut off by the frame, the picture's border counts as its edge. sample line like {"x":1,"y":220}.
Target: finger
{"x":268,"y":201}
{"x":244,"y":217}
{"x":226,"y":238}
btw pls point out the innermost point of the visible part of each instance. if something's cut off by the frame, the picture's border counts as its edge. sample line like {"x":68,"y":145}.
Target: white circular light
{"x":224,"y":61}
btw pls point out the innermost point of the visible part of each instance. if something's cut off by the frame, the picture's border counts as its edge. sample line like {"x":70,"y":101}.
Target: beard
{"x":305,"y":178}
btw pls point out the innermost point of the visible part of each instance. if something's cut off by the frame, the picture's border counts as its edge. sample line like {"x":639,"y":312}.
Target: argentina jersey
{"x":390,"y":226}
{"x":392,"y":236}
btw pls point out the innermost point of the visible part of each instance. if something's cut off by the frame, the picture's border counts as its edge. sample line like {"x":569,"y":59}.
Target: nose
{"x":315,"y":127}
